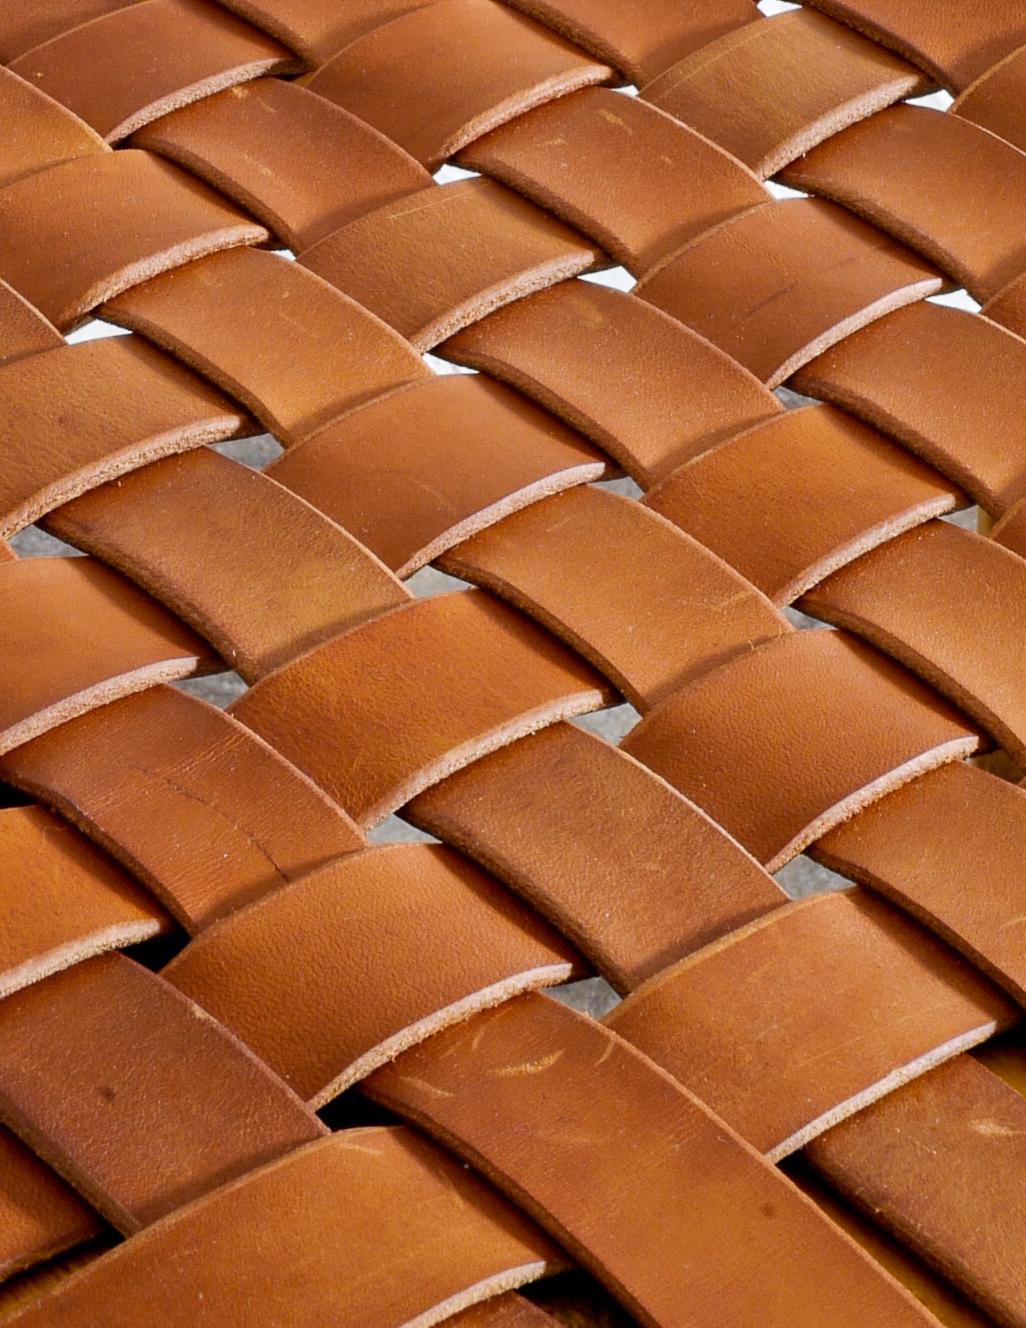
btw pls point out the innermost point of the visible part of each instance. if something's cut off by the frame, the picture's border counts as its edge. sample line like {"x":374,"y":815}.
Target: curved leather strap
{"x":40,"y":1216}
{"x":655,"y":610}
{"x":93,"y":412}
{"x":638,"y":204}
{"x":434,"y":935}
{"x":916,"y":173}
{"x":778,"y":749}
{"x":311,"y":354}
{"x":919,"y":846}
{"x":37,"y":131}
{"x":1010,"y":531}
{"x":783,"y":111}
{"x":196,"y":806}
{"x":104,"y":71}
{"x":779,"y":284}
{"x":276,"y":148}
{"x":965,"y":1220}
{"x":394,"y":472}
{"x":607,"y":1146}
{"x":27,"y":26}
{"x":401,"y":264}
{"x":61,"y":899}
{"x":132,"y":216}
{"x":845,"y":489}
{"x":23,"y":329}
{"x":640,"y":49}
{"x":644,"y":387}
{"x":347,"y":1210}
{"x":135,"y":1094}
{"x":634,"y":873}
{"x":906,"y":374}
{"x":504,"y":65}
{"x":319,"y":28}
{"x":802,"y":1005}
{"x":74,"y":635}
{"x":994,"y":100}
{"x":419,"y":692}
{"x":928,"y":598}
{"x":287,"y":577}
{"x":954,"y":43}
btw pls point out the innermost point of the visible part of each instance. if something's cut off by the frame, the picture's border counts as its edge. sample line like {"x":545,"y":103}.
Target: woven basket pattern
{"x":689,"y":340}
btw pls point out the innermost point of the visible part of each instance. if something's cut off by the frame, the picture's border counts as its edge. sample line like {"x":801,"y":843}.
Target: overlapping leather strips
{"x":167,"y":152}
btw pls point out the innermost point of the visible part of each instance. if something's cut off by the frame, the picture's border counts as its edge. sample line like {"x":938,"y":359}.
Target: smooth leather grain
{"x":769,"y":91}
{"x":917,"y":174}
{"x":74,"y":635}
{"x":929,"y":597}
{"x":398,"y":262}
{"x":39,"y":132}
{"x":647,"y":389}
{"x":319,"y":28}
{"x":919,"y":845}
{"x":819,"y":1037}
{"x":634,"y":873}
{"x":106,"y":1059}
{"x":597,"y":186}
{"x":994,"y":99}
{"x":640,"y":49}
{"x":312,"y":354}
{"x":393,"y":474}
{"x":652,"y":611}
{"x":599,"y":1144}
{"x":275,"y":596}
{"x":276,"y":148}
{"x":101,"y":72}
{"x":780,"y":284}
{"x":955,"y":44}
{"x":23,"y":329}
{"x":405,"y":1202}
{"x":906,"y":374}
{"x":501,"y":65}
{"x":132,"y":216}
{"x":791,"y":500}
{"x":965,"y":1221}
{"x":197,"y":807}
{"x":93,"y":412}
{"x":464,"y":672}
{"x":39,"y":1214}
{"x":773,"y":744}
{"x":61,"y":899}
{"x":441,"y":939}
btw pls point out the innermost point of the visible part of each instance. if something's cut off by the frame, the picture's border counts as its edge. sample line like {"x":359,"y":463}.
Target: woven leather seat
{"x":260,"y":1067}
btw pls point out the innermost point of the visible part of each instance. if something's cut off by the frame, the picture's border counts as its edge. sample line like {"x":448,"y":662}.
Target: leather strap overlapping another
{"x":802,"y":1113}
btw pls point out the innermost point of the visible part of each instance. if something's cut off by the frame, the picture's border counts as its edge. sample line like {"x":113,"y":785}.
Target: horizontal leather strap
{"x":105,"y":73}
{"x":196,"y":806}
{"x":508,"y":65}
{"x":600,"y":1145}
{"x":391,"y":912}
{"x":231,"y":1257}
{"x":777,"y":746}
{"x":74,"y":635}
{"x":464,"y":672}
{"x":135,"y":1094}
{"x":63,"y":900}
{"x":132,"y":216}
{"x":777,"y":285}
{"x":783,"y":112}
{"x":274,"y":147}
{"x":399,"y":262}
